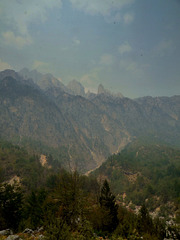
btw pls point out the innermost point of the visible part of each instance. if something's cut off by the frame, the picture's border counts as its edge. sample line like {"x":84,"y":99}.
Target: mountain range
{"x":81,"y":129}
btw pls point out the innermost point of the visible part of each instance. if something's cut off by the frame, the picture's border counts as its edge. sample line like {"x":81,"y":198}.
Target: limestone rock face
{"x":28,"y":230}
{"x":6,"y":232}
{"x":101,"y":89}
{"x":75,"y":88}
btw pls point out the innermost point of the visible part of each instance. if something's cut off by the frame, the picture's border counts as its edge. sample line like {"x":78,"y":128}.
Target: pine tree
{"x":109,"y":209}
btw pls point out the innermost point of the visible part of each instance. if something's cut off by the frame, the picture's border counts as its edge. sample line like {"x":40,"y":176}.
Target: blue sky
{"x":130,"y":46}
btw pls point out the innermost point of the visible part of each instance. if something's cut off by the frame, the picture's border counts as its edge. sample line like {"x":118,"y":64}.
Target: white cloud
{"x":164,"y":47}
{"x":128,"y":18}
{"x":16,"y":15}
{"x":18,"y":41}
{"x":133,"y":70}
{"x":129,"y":65}
{"x":102,"y":7}
{"x":76,"y":42}
{"x":4,"y":65}
{"x":106,"y":59}
{"x":124,"y":48}
{"x":21,"y":13}
{"x":91,"y":80}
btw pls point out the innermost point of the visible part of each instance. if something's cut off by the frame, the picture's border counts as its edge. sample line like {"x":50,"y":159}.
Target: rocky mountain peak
{"x":76,"y":88}
{"x":102,"y":90}
{"x":44,"y":81}
{"x":8,"y":73}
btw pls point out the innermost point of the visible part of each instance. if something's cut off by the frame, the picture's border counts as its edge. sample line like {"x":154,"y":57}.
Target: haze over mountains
{"x":84,"y":127}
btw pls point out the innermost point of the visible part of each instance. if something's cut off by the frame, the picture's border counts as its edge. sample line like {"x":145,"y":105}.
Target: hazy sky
{"x":131,"y":46}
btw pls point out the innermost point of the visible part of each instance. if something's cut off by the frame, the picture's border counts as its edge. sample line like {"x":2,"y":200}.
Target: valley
{"x":63,"y":150}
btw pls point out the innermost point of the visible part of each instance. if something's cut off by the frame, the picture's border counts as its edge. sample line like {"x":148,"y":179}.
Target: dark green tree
{"x":57,"y":229}
{"x":109,"y":209}
{"x":145,"y":223}
{"x":1,"y":175}
{"x":127,"y":224}
{"x":11,"y":199}
{"x":70,"y":215}
{"x":69,"y":196}
{"x":34,"y":209}
{"x":160,"y":228}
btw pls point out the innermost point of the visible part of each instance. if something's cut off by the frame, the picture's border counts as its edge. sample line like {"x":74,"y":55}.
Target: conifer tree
{"x":109,"y":208}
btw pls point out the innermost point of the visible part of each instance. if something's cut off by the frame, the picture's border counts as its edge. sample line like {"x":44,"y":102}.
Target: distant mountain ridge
{"x":102,"y":90}
{"x":44,"y":81}
{"x":85,"y":127}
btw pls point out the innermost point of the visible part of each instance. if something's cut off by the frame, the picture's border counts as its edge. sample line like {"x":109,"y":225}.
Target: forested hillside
{"x":145,"y":172}
{"x":51,"y":203}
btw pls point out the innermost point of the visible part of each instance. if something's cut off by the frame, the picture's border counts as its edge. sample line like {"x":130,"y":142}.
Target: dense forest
{"x":56,"y":204}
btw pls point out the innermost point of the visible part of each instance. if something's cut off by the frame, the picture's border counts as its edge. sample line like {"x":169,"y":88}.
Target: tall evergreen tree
{"x":109,"y":208}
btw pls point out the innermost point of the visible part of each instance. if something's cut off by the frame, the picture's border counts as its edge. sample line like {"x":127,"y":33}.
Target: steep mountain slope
{"x":164,"y":114}
{"x":157,"y":118}
{"x":91,"y":125}
{"x":27,"y":114}
{"x":83,"y":131}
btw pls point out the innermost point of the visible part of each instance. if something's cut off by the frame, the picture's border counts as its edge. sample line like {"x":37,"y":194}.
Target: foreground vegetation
{"x":67,"y":205}
{"x":71,"y":207}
